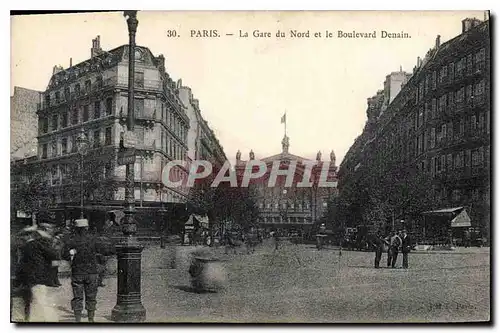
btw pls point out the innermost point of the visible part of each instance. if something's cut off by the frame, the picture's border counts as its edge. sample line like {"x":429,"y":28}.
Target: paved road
{"x":300,"y":284}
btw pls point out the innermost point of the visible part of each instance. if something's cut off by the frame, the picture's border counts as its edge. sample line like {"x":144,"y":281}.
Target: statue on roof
{"x":332,"y":157}
{"x":252,"y":155}
{"x":238,"y":155}
{"x":285,"y":144}
{"x":318,"y":156}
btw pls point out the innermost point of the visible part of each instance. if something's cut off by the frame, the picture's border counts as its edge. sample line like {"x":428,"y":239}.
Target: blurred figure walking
{"x":34,"y":274}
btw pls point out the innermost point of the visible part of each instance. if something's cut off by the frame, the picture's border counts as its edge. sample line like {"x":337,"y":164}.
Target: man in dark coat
{"x":379,"y":245}
{"x":405,"y":247}
{"x":35,"y":266}
{"x":82,"y":249}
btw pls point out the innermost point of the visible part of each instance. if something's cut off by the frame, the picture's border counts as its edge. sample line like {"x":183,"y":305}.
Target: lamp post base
{"x":128,"y":313}
{"x":128,"y":306}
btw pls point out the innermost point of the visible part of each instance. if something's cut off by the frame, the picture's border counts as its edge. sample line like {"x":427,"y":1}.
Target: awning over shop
{"x":202,"y":220}
{"x":444,"y":211}
{"x":462,"y":220}
{"x":457,"y":215}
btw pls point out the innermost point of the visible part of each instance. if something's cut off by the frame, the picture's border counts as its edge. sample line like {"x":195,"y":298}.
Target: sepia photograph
{"x":250,"y":167}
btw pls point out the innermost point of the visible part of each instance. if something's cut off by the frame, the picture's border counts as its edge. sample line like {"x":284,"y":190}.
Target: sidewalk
{"x":157,"y":281}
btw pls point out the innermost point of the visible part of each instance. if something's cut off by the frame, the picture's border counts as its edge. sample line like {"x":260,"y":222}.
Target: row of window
{"x":470,"y":125}
{"x":76,"y":89}
{"x":174,"y":122}
{"x":457,"y":195}
{"x":467,"y":65}
{"x":67,"y":145}
{"x":65,"y":172}
{"x":167,"y":116}
{"x":70,"y":118}
{"x":285,"y":205}
{"x":476,"y":124}
{"x":280,"y":219}
{"x":172,"y":147}
{"x":453,"y":100}
{"x":478,"y":157}
{"x":65,"y":94}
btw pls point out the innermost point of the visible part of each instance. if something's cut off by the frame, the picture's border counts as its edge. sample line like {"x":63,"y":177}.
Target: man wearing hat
{"x":379,"y":244}
{"x":83,"y":249}
{"x":392,"y":255}
{"x":405,"y":247}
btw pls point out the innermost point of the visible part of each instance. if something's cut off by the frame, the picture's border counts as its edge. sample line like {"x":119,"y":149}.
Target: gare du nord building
{"x":424,"y":154}
{"x":289,"y":207}
{"x":91,"y":98}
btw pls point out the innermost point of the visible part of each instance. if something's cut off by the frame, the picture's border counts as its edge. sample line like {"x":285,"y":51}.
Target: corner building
{"x":92,"y":96}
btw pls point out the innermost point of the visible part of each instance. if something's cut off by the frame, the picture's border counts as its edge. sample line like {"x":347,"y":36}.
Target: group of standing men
{"x":392,"y":244}
{"x":36,"y":269}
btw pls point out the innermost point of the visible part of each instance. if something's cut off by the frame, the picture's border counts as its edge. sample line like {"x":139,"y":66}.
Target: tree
{"x":225,"y":203}
{"x":375,"y":212}
{"x":29,"y":187}
{"x":36,"y":185}
{"x":241,"y":206}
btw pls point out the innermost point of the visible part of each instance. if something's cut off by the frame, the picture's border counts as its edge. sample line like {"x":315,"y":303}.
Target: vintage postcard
{"x":251,"y":167}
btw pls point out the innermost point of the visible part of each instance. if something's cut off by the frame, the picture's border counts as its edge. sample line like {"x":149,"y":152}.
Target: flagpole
{"x":285,"y":122}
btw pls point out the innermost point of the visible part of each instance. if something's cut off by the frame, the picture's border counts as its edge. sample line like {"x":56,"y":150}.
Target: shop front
{"x":446,"y":226}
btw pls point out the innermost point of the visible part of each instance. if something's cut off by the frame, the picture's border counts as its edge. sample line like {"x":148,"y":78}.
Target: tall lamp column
{"x":82,"y":145}
{"x":128,"y":306}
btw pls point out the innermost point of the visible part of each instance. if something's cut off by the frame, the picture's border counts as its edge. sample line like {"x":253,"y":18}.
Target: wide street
{"x":301,"y":284}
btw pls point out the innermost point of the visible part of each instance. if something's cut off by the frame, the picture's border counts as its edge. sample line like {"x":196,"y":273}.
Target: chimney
{"x":438,"y":41}
{"x":419,"y":62}
{"x":70,"y":62}
{"x":466,"y":25}
{"x":96,"y":47}
{"x":160,"y":60}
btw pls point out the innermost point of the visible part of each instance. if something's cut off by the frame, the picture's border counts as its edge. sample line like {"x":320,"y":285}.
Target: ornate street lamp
{"x":128,"y":306}
{"x":82,"y":146}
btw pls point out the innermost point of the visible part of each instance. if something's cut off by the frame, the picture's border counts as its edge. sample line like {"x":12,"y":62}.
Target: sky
{"x":245,"y":85}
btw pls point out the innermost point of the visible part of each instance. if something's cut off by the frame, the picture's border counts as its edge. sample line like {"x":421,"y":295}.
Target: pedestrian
{"x":276,"y":240}
{"x":101,"y":261}
{"x":387,"y":240}
{"x":58,"y":244}
{"x":467,"y":237}
{"x":251,"y":240}
{"x":394,"y":249}
{"x":231,"y":241}
{"x":405,"y":247}
{"x":34,"y":274}
{"x":83,"y":249}
{"x":379,"y":245}
{"x":101,"y":269}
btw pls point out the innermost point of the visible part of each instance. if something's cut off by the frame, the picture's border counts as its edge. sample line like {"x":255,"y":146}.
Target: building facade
{"x":287,"y":205}
{"x":23,"y":122}
{"x":202,"y":145}
{"x":201,"y":140}
{"x":92,"y":97}
{"x":428,"y":147}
